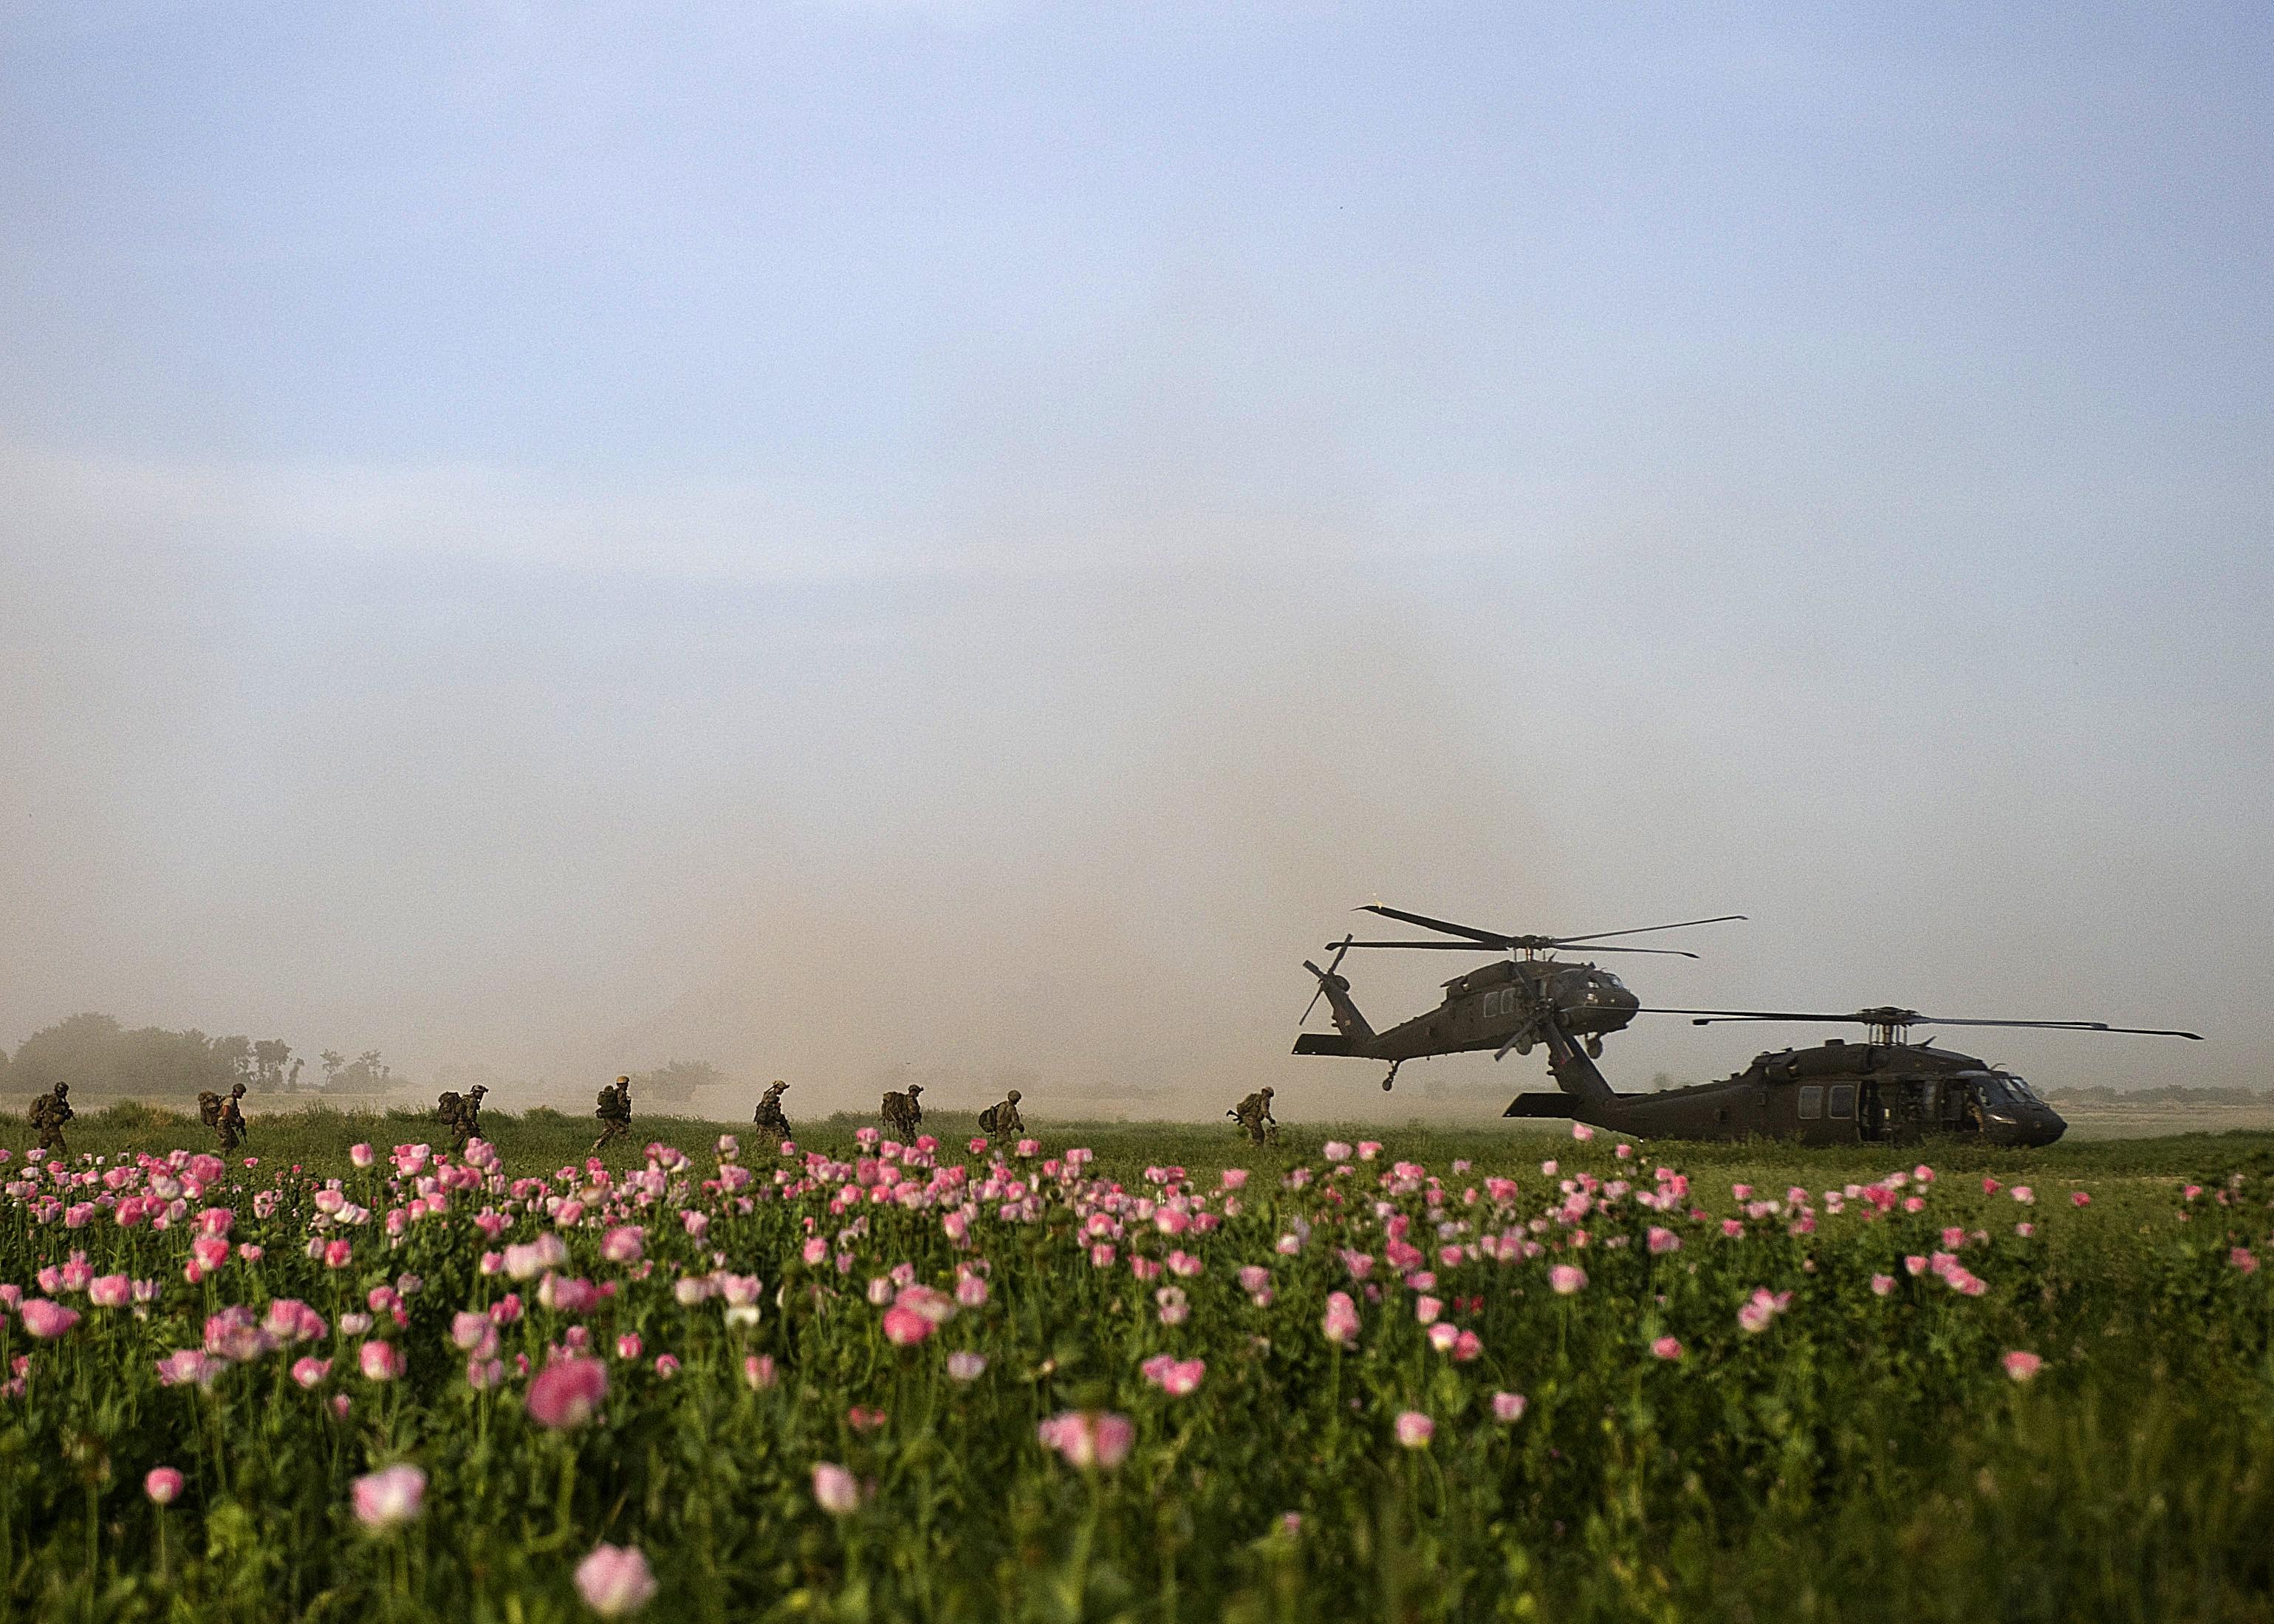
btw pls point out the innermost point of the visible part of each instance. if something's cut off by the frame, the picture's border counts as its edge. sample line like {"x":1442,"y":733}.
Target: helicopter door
{"x":1874,"y":1123}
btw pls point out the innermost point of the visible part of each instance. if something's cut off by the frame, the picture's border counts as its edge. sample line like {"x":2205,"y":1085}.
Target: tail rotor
{"x":1328,"y":975}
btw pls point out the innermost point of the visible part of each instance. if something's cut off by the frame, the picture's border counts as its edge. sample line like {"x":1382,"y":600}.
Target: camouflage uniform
{"x":615,"y":1113}
{"x":229,"y":1121}
{"x":461,"y":1114}
{"x":1253,"y":1116}
{"x":902,"y":1113}
{"x":1003,"y":1119}
{"x":47,"y":1114}
{"x":770,"y":1111}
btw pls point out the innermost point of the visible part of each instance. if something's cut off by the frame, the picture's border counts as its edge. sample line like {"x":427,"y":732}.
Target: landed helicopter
{"x":1886,"y":1089}
{"x":1500,"y":1006}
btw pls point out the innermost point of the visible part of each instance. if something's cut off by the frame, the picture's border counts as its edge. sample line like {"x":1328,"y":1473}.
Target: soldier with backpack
{"x":229,"y":1121}
{"x":1253,"y":1116}
{"x":615,"y":1113}
{"x":48,"y":1113}
{"x":902,"y":1113}
{"x":461,"y":1114}
{"x":1003,"y":1120}
{"x":769,"y":1115}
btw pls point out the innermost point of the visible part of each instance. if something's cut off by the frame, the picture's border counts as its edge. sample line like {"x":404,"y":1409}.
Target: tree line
{"x":100,"y":1055}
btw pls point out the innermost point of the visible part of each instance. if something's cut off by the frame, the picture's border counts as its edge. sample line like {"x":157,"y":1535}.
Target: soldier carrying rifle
{"x":1253,"y":1116}
{"x":615,"y":1113}
{"x":48,"y":1113}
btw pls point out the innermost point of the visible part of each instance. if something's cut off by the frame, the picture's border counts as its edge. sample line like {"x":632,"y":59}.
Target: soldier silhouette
{"x":48,"y":1113}
{"x":1253,"y":1116}
{"x":615,"y":1113}
{"x":902,"y":1113}
{"x":769,"y":1115}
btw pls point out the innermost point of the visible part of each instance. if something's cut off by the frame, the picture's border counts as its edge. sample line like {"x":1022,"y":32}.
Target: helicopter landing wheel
{"x":1392,"y":1076}
{"x":1594,"y":1048}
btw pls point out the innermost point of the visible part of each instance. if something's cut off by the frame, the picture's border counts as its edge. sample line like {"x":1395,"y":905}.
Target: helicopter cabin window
{"x":1811,"y":1102}
{"x":1843,"y":1101}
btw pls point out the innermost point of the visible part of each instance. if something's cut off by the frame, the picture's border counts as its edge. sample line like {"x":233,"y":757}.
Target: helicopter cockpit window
{"x":2021,"y":1088}
{"x":1811,"y":1102}
{"x":1843,"y":1101}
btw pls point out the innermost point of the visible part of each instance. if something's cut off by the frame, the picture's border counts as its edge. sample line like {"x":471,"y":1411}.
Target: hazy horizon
{"x":829,"y":538}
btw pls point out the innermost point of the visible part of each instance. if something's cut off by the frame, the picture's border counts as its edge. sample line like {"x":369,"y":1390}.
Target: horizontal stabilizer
{"x":1324,"y":1043}
{"x":1542,"y":1105}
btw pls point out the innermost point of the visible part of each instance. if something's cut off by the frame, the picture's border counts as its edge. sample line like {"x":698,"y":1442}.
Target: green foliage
{"x":1862,"y":1454}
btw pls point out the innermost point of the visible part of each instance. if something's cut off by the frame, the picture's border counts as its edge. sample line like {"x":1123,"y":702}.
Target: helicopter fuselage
{"x":1835,"y":1092}
{"x":1490,"y":1008}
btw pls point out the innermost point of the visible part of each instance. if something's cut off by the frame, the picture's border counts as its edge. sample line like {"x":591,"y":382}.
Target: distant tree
{"x":675,"y":1082}
{"x":366,"y":1073}
{"x":94,"y":1053}
{"x":268,"y":1057}
{"x":292,"y":1082}
{"x":333,"y":1060}
{"x":238,"y":1052}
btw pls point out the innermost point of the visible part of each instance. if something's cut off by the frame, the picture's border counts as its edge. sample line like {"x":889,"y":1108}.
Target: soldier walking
{"x":229,"y":1121}
{"x":770,"y":1110}
{"x":1253,"y":1116}
{"x":902,"y":1113}
{"x":615,"y":1113}
{"x":1003,"y":1119}
{"x":48,"y":1113}
{"x":461,"y":1114}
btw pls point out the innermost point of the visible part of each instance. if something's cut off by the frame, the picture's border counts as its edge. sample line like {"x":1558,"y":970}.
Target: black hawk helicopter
{"x":1499,"y":1007}
{"x":1884,"y":1089}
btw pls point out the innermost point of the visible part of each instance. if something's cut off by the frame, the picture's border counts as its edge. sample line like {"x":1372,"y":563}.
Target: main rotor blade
{"x":2062,"y":1025}
{"x":1493,"y":937}
{"x":1489,"y":947}
{"x":1681,"y":924}
{"x":1439,"y":947}
{"x":1912,"y":1017}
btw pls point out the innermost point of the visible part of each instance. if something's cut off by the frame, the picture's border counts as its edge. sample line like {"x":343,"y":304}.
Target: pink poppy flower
{"x":379,"y":1361}
{"x":615,"y":1581}
{"x":2022,"y":1366}
{"x":389,"y":1498}
{"x":1088,"y":1439}
{"x":309,"y":1371}
{"x":904,"y":1328}
{"x":1881,"y":1284}
{"x":758,"y":1371}
{"x":1667,"y":1348}
{"x":2077,"y":1198}
{"x":1582,"y":1132}
{"x":1567,"y":1278}
{"x":964,"y":1366}
{"x":835,"y":1490}
{"x":1341,"y":1323}
{"x":567,"y":1393}
{"x":1335,"y":1150}
{"x":163,"y":1486}
{"x":1508,"y":1407}
{"x":1415,"y":1429}
{"x":45,"y":1320}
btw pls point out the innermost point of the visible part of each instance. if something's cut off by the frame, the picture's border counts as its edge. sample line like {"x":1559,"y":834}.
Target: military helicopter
{"x":1884,"y":1089}
{"x":1499,"y":1006}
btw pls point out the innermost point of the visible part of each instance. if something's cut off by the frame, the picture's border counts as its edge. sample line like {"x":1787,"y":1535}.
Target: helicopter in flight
{"x":1885,"y":1089}
{"x":1502,"y":1006}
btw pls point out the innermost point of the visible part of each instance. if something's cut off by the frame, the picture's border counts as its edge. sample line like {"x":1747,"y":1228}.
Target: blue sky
{"x":538,"y":531}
